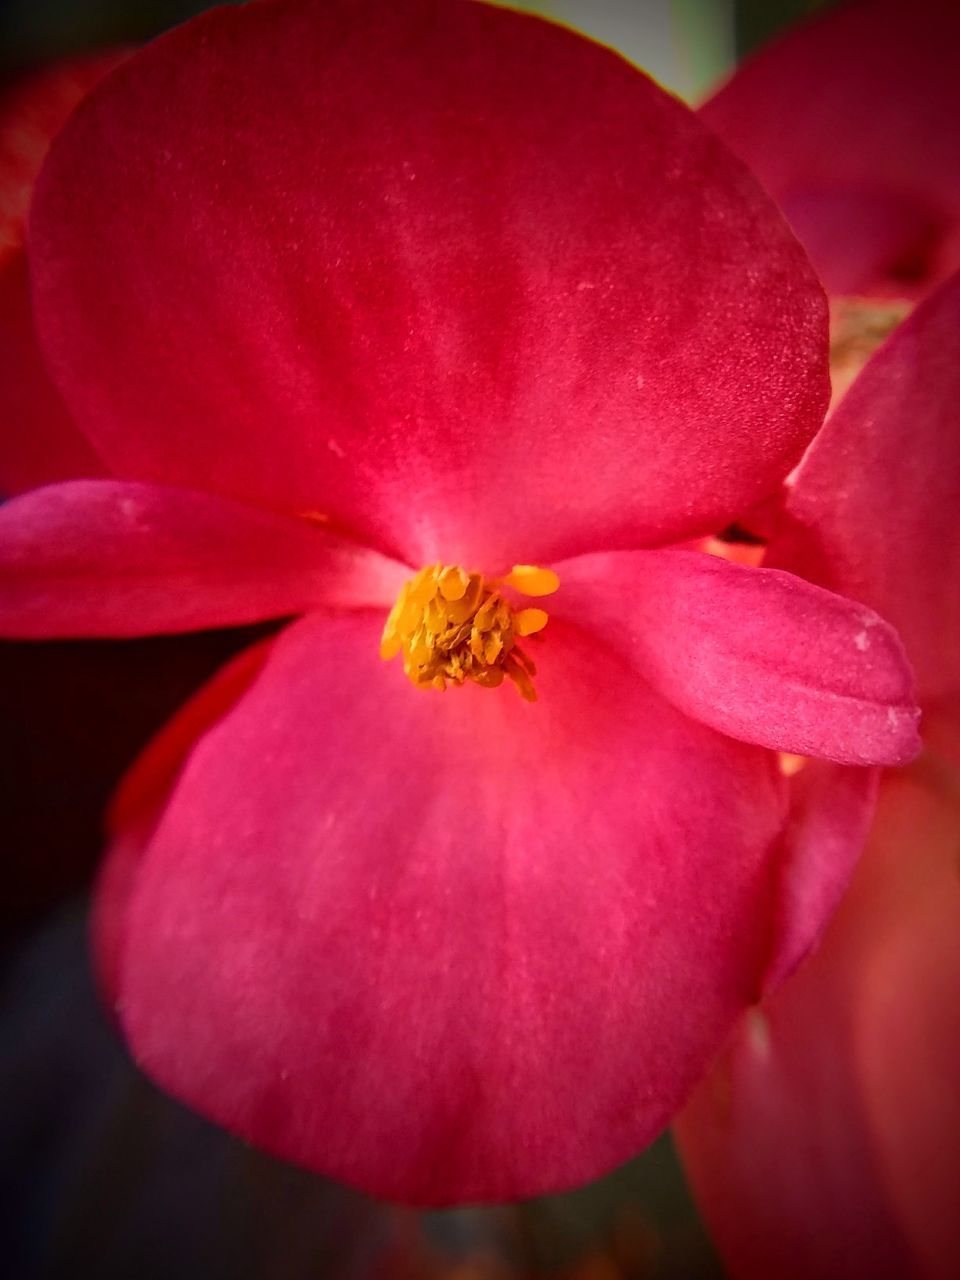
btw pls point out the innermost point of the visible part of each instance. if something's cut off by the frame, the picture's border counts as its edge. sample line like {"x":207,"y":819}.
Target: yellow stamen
{"x":451,"y":625}
{"x":529,"y":580}
{"x":529,"y":621}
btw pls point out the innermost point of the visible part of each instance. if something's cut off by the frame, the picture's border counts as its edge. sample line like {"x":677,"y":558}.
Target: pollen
{"x":451,"y":625}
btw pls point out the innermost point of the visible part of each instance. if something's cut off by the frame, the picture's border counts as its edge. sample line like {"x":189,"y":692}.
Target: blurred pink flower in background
{"x":825,"y":1141}
{"x":850,"y":122}
{"x":338,"y":291}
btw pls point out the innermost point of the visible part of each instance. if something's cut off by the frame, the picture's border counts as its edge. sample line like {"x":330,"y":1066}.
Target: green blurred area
{"x":757,"y":21}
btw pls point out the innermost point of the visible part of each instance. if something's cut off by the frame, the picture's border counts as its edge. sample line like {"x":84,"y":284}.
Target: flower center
{"x":452,"y":625}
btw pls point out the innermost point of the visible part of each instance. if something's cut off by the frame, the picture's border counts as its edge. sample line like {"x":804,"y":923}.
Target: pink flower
{"x":342,"y":292}
{"x":849,"y":123}
{"x":825,"y":1143}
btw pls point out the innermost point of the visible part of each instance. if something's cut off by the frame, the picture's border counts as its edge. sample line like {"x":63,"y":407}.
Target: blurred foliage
{"x":33,"y":31}
{"x":757,"y":21}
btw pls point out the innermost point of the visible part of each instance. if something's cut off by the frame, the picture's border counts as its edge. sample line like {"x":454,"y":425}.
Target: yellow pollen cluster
{"x":451,"y":625}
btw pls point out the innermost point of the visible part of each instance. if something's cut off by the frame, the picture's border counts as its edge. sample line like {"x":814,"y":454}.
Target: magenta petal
{"x":39,"y":441}
{"x":849,"y":122}
{"x":830,"y":812}
{"x":907,"y":1032}
{"x":139,"y":801}
{"x":874,"y":508}
{"x":470,"y":285}
{"x":823,"y":1142}
{"x":33,"y":109}
{"x":756,"y":653}
{"x":448,"y":947}
{"x":105,"y":558}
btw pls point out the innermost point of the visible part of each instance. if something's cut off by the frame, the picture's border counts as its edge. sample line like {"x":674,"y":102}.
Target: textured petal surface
{"x":875,"y":505}
{"x":105,"y":558}
{"x":756,"y":653}
{"x":848,"y":122}
{"x":836,"y":1107}
{"x":448,"y":947}
{"x":39,"y":441}
{"x":468,"y":284}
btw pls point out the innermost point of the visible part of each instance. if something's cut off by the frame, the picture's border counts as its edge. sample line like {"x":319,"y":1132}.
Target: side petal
{"x":873,"y":512}
{"x":105,"y":558}
{"x":452,"y":926}
{"x":39,"y":441}
{"x":907,"y":1034}
{"x":878,"y":208}
{"x":831,"y":808}
{"x":837,"y":1101}
{"x":470,"y":284}
{"x":756,"y":653}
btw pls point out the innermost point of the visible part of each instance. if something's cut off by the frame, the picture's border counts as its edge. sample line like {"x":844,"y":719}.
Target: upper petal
{"x":873,"y":512}
{"x":847,"y":120}
{"x":756,"y":653}
{"x":109,"y":558}
{"x":460,"y":279}
{"x":375,"y":919}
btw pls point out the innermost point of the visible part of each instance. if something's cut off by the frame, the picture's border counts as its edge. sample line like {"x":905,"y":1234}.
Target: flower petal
{"x":33,"y":110}
{"x":845,"y":120}
{"x":873,"y":513}
{"x":140,"y":798}
{"x":39,"y":441}
{"x":756,"y":653}
{"x":836,"y":1103}
{"x":907,"y":1032}
{"x":105,"y":558}
{"x":464,"y":281}
{"x":378,"y":920}
{"x":74,"y":713}
{"x":831,"y":808}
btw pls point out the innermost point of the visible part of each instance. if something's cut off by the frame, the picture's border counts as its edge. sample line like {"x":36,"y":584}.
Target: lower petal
{"x":139,"y":800}
{"x":448,"y":946}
